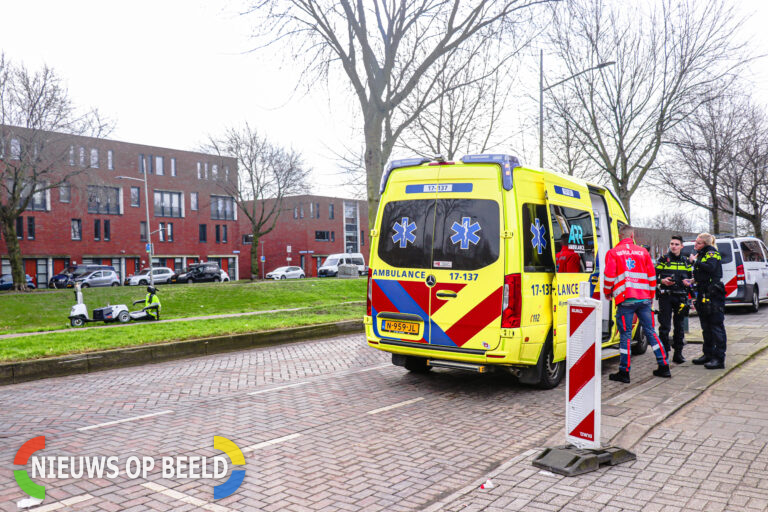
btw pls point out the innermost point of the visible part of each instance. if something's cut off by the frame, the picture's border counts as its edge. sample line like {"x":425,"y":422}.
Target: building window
{"x":199,"y":174}
{"x":169,"y":231}
{"x":103,"y":200}
{"x":161,"y":232}
{"x":322,"y":236}
{"x":248,"y":239}
{"x":38,"y":203}
{"x":173,"y":167}
{"x":205,"y":171}
{"x":71,"y":155}
{"x":330,"y":211}
{"x":97,"y":229}
{"x":214,"y":172}
{"x":110,"y":160}
{"x":333,"y":236}
{"x":77,"y":229}
{"x":143,"y":231}
{"x":94,"y":158}
{"x":193,"y":201}
{"x":311,"y":210}
{"x":15,"y":149}
{"x":218,"y":234}
{"x":301,"y":211}
{"x":141,"y":164}
{"x":150,"y":164}
{"x":159,"y":165}
{"x":362,"y":238}
{"x":167,"y":204}
{"x":107,"y":231}
{"x":317,"y":210}
{"x":20,"y":228}
{"x":224,"y":233}
{"x":226,"y":173}
{"x":65,"y":193}
{"x":30,"y":228}
{"x":135,"y":196}
{"x":203,"y":230}
{"x":222,"y":208}
{"x":295,"y":212}
{"x":82,"y":156}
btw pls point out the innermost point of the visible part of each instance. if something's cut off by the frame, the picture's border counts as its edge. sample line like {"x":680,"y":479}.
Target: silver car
{"x":99,"y":278}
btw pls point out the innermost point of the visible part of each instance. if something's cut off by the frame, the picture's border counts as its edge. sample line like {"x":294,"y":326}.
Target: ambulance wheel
{"x":416,"y":364}
{"x":640,"y":342}
{"x":551,"y":373}
{"x":755,"y":306}
{"x":124,"y":317}
{"x":76,"y":322}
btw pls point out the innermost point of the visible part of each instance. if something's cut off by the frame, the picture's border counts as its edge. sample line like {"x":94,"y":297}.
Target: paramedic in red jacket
{"x":630,"y":279}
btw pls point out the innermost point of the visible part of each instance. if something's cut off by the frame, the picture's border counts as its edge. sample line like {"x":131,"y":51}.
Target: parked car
{"x":286,"y":273}
{"x":99,"y":278}
{"x":330,"y":267}
{"x":745,"y":270}
{"x":67,"y":279}
{"x":6,"y":282}
{"x":200,"y":273}
{"x":160,"y":275}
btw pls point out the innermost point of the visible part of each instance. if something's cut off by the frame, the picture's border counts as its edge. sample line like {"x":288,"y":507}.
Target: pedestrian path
{"x":183,"y":319}
{"x":701,"y":440}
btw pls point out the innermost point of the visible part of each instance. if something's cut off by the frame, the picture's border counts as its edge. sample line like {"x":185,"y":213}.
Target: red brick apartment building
{"x":310,"y":228}
{"x":100,"y":218}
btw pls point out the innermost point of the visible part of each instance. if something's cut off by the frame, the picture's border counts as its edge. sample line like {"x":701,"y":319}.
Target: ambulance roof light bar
{"x":395,"y":164}
{"x":507,"y":163}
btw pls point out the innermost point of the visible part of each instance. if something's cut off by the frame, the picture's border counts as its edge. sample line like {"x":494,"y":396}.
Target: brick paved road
{"x":316,"y":419}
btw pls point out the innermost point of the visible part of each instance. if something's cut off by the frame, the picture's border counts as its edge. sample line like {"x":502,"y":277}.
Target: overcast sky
{"x":171,"y":72}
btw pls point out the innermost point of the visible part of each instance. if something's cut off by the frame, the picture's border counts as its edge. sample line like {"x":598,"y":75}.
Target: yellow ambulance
{"x":472,"y":263}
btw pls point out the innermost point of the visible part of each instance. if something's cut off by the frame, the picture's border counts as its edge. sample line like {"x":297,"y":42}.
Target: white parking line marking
{"x":64,"y":503}
{"x":184,"y":497}
{"x":278,"y":388}
{"x":395,"y":406}
{"x":125,"y":420}
{"x":264,"y":444}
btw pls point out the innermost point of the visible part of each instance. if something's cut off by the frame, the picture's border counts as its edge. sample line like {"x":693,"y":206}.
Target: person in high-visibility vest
{"x":151,"y":305}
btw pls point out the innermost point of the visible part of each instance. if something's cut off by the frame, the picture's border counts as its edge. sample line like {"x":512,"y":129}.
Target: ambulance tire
{"x":417,"y":365}
{"x":546,"y":374}
{"x":639,"y":342}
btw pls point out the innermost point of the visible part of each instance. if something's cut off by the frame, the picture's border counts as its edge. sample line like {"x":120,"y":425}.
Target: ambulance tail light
{"x":369,"y":297}
{"x":512,"y":302}
{"x":740,"y":277}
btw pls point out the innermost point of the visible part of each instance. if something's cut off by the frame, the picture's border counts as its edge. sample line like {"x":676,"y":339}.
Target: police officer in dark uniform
{"x":710,"y":301}
{"x":671,"y":269}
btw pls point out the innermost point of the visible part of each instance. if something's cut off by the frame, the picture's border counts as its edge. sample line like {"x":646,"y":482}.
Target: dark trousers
{"x":669,"y":312}
{"x":713,"y":331}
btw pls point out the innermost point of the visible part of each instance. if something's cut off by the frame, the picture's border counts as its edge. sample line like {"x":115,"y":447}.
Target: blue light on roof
{"x":395,"y":164}
{"x":507,"y":163}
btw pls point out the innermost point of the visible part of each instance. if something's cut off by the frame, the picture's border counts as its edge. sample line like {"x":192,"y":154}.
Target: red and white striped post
{"x":582,"y":380}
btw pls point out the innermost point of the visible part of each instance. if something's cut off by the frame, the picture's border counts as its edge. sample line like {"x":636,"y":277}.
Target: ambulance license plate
{"x":401,"y":327}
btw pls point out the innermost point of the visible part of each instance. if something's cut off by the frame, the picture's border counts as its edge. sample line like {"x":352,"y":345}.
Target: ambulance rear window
{"x":465,"y":235}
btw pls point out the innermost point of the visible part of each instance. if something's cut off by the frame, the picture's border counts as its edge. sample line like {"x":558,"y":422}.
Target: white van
{"x":330,"y":267}
{"x":745,"y":270}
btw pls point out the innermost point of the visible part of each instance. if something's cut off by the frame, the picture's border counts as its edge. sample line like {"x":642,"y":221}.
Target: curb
{"x":24,"y":371}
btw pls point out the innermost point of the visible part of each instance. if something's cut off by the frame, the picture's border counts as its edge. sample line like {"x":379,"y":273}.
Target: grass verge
{"x":88,"y":340}
{"x":46,"y":310}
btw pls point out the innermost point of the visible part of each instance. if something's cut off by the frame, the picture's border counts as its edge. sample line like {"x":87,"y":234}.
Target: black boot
{"x":714,"y":364}
{"x":678,"y":357}
{"x":620,"y":376}
{"x":662,"y":371}
{"x":701,"y":360}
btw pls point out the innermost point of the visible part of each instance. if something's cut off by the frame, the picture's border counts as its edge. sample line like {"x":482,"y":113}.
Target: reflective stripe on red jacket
{"x":629,"y":273}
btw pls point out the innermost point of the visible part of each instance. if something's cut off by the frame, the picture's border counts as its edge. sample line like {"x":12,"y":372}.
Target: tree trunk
{"x":757,"y":225}
{"x":14,"y":255}
{"x":255,"y":257}
{"x":625,"y":197}
{"x":374,"y":165}
{"x":716,"y":221}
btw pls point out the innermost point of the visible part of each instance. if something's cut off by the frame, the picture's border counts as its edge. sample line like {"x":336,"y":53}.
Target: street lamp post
{"x":543,"y":89}
{"x":149,"y":230}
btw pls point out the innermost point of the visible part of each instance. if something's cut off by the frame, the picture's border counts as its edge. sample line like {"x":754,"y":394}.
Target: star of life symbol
{"x":465,"y":233}
{"x":630,"y":263}
{"x":539,"y":242}
{"x":404,"y":232}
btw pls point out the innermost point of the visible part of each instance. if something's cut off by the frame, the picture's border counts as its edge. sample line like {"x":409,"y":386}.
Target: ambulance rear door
{"x":572,"y":229}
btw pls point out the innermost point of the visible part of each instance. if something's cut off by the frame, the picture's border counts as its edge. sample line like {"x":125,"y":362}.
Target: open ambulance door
{"x":572,"y":229}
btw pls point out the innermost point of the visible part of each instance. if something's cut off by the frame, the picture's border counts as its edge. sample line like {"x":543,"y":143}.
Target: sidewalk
{"x":701,"y":440}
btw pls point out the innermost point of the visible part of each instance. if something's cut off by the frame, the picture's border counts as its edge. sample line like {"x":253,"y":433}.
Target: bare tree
{"x":37,"y":120}
{"x":266,"y":174}
{"x":668,"y":56}
{"x":700,"y":154}
{"x":386,"y":49}
{"x":566,"y":147}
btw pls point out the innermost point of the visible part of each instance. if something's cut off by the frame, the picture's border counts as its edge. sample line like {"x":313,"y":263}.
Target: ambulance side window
{"x":537,"y":249}
{"x":574,"y":239}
